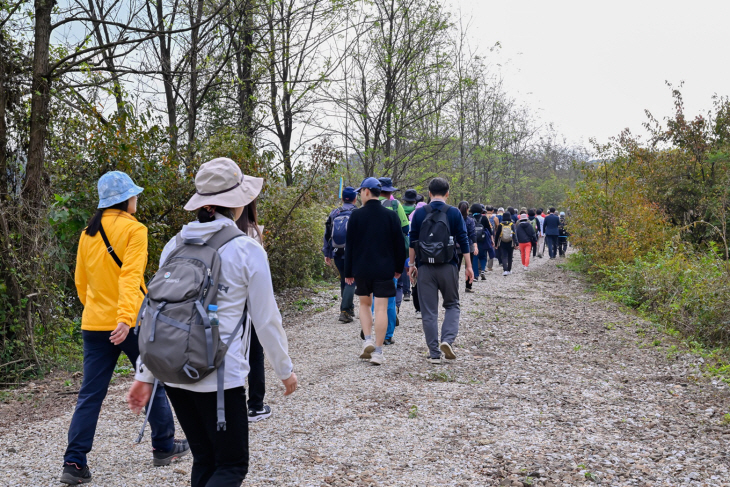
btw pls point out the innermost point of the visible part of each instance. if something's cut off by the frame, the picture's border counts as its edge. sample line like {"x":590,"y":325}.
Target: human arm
{"x":80,"y":277}
{"x":350,"y":238}
{"x":327,"y":249}
{"x":131,"y":276}
{"x":458,"y":230}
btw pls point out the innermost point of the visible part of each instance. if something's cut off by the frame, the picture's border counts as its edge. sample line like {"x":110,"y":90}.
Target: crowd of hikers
{"x":199,"y":328}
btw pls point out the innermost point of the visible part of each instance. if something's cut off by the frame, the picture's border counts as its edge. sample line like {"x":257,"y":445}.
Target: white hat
{"x":220,"y":182}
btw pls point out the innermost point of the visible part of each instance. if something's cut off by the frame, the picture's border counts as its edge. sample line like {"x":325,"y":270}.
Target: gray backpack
{"x":177,"y":341}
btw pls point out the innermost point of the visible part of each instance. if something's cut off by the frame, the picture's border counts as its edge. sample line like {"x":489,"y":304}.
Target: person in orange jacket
{"x":110,"y":266}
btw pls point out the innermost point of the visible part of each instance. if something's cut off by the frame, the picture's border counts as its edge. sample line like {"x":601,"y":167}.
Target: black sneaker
{"x":254,"y":416}
{"x":180,"y":448}
{"x":388,"y":341}
{"x":407,"y":297}
{"x":73,"y":475}
{"x":345,"y":317}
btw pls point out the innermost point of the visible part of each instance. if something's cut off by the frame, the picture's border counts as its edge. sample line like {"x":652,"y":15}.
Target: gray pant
{"x":431,"y":280}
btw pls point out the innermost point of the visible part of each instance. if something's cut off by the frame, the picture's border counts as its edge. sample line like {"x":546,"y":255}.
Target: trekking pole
{"x":544,"y":241}
{"x":147,"y":415}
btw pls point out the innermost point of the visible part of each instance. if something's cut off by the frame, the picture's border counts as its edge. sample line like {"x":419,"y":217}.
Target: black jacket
{"x":525,"y":232}
{"x":375,"y":247}
{"x":498,"y":235}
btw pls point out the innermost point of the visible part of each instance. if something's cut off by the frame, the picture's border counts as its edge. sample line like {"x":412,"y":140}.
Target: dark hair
{"x":250,"y":219}
{"x":464,"y":208}
{"x":438,"y":187}
{"x":489,"y":208}
{"x":92,"y":228}
{"x":552,"y":210}
{"x":375,"y":191}
{"x":476,"y":209}
{"x":510,"y":210}
{"x":539,"y":211}
{"x":205,"y":216}
{"x":507,"y":216}
{"x":419,"y":198}
{"x":531,"y":212}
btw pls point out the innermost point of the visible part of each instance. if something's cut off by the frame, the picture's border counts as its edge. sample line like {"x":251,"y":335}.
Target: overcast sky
{"x":592,"y":67}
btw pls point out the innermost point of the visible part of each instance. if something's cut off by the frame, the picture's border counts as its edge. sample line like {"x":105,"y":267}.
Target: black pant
{"x":506,"y":250}
{"x":347,"y":292}
{"x":414,"y":293}
{"x":257,"y":375}
{"x":461,"y":259}
{"x":562,"y":245}
{"x":220,"y":458}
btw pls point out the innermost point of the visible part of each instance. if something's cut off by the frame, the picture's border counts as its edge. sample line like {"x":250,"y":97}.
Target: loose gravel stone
{"x":551,"y":387}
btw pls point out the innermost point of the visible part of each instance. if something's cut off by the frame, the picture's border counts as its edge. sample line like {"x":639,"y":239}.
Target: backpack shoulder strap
{"x":223,"y":236}
{"x":109,"y":247}
{"x":221,"y":372}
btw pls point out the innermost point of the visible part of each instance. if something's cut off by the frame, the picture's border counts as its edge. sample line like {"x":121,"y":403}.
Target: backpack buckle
{"x":110,"y":249}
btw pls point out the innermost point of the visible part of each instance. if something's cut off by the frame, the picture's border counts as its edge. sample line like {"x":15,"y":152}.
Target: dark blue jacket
{"x":457,"y":227}
{"x":552,"y":224}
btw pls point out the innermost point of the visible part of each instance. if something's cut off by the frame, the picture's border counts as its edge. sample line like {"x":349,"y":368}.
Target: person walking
{"x":526,"y":238}
{"x":374,"y":256}
{"x":110,"y":265}
{"x":335,"y":233}
{"x":471,"y":233}
{"x":552,"y":231}
{"x":248,"y":223}
{"x":409,"y":206}
{"x":562,"y":235}
{"x":219,"y":436}
{"x":541,"y":235}
{"x":435,"y":231}
{"x":531,"y":216}
{"x":414,"y":282}
{"x":507,"y":242}
{"x":483,"y":236}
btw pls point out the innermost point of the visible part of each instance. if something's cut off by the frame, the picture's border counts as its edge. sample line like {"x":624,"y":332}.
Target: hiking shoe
{"x":367,"y":349}
{"x":418,"y":314}
{"x":377,"y":358}
{"x":180,"y":448}
{"x":539,"y":256}
{"x":448,"y":351}
{"x":73,"y":475}
{"x":388,"y":341}
{"x":469,"y":290}
{"x":434,"y":360}
{"x":483,"y":275}
{"x":407,"y":297}
{"x":505,"y":273}
{"x":254,"y":415}
{"x":345,"y":317}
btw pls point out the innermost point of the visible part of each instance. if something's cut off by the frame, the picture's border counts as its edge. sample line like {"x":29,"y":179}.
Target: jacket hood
{"x":205,"y":230}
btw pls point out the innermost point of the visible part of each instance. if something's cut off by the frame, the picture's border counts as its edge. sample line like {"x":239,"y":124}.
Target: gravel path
{"x":550,"y":387}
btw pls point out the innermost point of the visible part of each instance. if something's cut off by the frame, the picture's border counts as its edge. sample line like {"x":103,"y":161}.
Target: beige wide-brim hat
{"x":220,"y":182}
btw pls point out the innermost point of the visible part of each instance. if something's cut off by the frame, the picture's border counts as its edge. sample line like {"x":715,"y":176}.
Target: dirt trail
{"x":551,"y":387}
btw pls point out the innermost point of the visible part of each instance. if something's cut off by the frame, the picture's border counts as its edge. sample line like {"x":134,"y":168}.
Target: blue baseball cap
{"x":369,"y":183}
{"x":116,"y":187}
{"x":387,"y":185}
{"x":349,"y":194}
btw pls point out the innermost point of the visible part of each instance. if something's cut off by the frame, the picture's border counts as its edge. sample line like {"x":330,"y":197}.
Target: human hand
{"x":412,"y":272}
{"x":119,"y":334}
{"x":328,"y":261}
{"x":470,"y":275}
{"x":476,"y":250}
{"x":349,"y":281}
{"x":291,"y":384}
{"x":139,"y":395}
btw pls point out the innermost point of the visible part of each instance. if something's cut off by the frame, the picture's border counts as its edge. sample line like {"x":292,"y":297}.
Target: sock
{"x":378,"y":349}
{"x":368,"y":337}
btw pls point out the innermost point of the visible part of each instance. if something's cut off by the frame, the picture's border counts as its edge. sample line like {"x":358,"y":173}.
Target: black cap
{"x":410,"y":196}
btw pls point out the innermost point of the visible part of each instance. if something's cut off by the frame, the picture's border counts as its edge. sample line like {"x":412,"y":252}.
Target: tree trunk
{"x":193,"y":97}
{"x":3,"y":126}
{"x":40,"y":97}
{"x":166,"y":68}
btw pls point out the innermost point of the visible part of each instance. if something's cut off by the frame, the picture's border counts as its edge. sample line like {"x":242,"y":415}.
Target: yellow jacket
{"x":111,"y":295}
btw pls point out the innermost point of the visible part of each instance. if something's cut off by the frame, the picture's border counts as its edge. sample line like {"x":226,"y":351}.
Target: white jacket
{"x":244,"y":275}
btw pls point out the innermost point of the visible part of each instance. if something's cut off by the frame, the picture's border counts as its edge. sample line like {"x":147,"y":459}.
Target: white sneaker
{"x":377,"y":358}
{"x":434,"y":360}
{"x":448,"y":351}
{"x":509,"y":273}
{"x":505,"y":273}
{"x":418,"y":314}
{"x":367,"y":349}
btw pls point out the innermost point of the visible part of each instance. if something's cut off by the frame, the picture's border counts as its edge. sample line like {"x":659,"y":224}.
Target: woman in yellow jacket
{"x":110,"y":266}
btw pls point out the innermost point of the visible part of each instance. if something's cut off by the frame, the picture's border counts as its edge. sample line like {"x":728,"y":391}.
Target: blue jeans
{"x":392,"y":314}
{"x":480,"y":261}
{"x":100,"y":359}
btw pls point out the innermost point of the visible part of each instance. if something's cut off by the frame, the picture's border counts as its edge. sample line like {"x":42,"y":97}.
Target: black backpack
{"x":435,"y":243}
{"x":479,"y":229}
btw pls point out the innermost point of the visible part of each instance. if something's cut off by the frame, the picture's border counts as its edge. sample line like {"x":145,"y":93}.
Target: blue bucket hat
{"x":411,"y":196}
{"x":387,"y":185}
{"x":369,"y":183}
{"x":116,"y":187}
{"x":349,"y":194}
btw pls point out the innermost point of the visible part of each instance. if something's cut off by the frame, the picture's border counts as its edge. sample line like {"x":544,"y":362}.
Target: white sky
{"x":592,"y":67}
